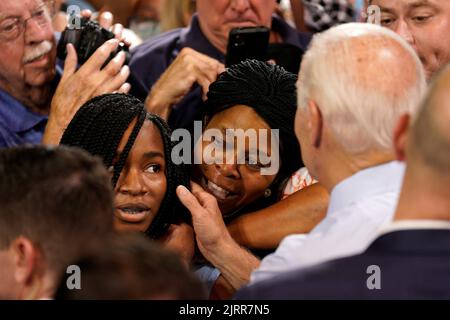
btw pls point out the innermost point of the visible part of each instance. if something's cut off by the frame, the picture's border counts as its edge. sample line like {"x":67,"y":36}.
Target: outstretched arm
{"x":297,"y":214}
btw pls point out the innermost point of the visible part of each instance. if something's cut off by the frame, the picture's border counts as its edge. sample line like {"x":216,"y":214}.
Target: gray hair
{"x":363,"y":77}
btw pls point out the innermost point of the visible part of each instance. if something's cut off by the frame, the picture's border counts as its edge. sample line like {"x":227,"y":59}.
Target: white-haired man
{"x":410,"y":258}
{"x":356,"y":81}
{"x":29,"y":77}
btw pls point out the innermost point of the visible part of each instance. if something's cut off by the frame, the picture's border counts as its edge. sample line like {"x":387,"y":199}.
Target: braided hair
{"x":271,"y":91}
{"x":98,"y":127}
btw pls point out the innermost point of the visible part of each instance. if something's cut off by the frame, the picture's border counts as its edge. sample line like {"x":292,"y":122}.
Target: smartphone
{"x":247,"y":43}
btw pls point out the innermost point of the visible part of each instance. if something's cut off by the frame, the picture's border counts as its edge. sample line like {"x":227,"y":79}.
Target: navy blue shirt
{"x":18,"y":124}
{"x":152,"y":58}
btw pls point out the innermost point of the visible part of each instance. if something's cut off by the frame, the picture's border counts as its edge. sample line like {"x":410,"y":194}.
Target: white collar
{"x":387,"y":177}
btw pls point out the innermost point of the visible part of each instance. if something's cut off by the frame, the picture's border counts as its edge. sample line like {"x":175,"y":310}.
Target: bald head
{"x":363,"y":77}
{"x":430,"y":136}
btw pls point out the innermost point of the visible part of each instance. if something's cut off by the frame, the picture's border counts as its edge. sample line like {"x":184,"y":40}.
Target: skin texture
{"x":218,"y":17}
{"x":425,"y":24}
{"x":142,"y":181}
{"x":425,"y":145}
{"x":25,"y":273}
{"x":245,"y":182}
{"x":27,"y":81}
{"x":391,"y":69}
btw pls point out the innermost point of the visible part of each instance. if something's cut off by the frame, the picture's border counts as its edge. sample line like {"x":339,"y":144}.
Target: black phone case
{"x":247,"y":43}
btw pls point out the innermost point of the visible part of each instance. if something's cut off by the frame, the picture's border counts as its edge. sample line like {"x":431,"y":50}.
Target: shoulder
{"x":150,"y":60}
{"x":306,"y":283}
{"x":156,"y":46}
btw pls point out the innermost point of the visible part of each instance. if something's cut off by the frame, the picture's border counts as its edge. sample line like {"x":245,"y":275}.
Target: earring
{"x":267,"y":193}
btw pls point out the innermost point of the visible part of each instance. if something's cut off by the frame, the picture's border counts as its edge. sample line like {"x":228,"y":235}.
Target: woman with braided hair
{"x":250,"y":96}
{"x":136,"y":147}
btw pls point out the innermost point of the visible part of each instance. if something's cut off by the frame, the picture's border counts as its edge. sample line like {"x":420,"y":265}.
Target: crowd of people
{"x":343,"y":168}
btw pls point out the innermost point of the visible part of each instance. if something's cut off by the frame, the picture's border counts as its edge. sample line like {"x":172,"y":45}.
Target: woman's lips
{"x":132,"y":213}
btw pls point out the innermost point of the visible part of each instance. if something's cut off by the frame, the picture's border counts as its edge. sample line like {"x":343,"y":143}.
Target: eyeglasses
{"x":13,"y":27}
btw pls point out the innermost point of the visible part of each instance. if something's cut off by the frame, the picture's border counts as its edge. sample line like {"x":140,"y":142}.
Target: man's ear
{"x":401,"y":136}
{"x":315,"y":124}
{"x":25,"y":255}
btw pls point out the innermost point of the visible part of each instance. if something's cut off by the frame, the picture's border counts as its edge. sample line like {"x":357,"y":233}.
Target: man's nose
{"x":36,"y":33}
{"x":405,"y":32}
{"x":240,"y":6}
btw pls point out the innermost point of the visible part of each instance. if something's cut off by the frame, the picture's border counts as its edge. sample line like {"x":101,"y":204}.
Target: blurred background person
{"x":129,"y":267}
{"x":176,"y":14}
{"x":55,"y":202}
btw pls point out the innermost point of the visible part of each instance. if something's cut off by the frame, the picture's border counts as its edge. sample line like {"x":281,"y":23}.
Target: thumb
{"x":71,"y":62}
{"x":189,"y":200}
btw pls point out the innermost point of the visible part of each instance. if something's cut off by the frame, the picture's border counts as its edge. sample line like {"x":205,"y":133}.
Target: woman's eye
{"x":154,"y":168}
{"x":253,"y":164}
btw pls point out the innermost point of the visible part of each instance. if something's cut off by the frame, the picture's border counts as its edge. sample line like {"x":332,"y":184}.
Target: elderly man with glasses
{"x":33,"y":91}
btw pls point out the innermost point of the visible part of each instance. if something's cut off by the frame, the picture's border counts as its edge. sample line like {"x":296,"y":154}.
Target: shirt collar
{"x":16,"y":116}
{"x":367,"y":183}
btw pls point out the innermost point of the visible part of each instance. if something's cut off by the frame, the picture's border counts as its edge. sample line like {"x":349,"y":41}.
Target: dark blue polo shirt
{"x":18,"y":124}
{"x":152,"y":58}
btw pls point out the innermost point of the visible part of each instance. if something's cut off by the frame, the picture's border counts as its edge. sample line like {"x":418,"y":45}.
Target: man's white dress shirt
{"x":359,"y":206}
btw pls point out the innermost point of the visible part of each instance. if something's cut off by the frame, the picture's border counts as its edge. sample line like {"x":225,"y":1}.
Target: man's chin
{"x":35,"y":78}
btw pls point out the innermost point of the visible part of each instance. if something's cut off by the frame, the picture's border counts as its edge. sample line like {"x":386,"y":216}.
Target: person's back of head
{"x":54,"y":202}
{"x":362,"y":78}
{"x":426,"y":192}
{"x":129,"y":266}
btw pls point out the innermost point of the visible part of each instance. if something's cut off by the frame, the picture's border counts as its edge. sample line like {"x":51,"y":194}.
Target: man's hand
{"x":210,"y":229}
{"x":77,"y":87}
{"x":179,"y":238}
{"x":215,"y":243}
{"x":190,"y":67}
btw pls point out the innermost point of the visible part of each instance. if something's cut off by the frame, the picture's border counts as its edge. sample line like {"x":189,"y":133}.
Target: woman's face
{"x":233,"y":183}
{"x":142,"y":184}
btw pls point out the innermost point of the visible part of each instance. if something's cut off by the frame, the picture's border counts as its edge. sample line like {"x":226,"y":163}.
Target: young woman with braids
{"x":136,"y":147}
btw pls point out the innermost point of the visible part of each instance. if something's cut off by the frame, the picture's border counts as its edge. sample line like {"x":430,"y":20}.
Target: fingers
{"x":100,"y":56}
{"x":86,"y":13}
{"x":207,"y":200}
{"x":71,"y":62}
{"x":189,"y":200}
{"x":117,"y":84}
{"x":125,"y":88}
{"x":116,"y":64}
{"x":106,"y":20}
{"x":117,"y":29}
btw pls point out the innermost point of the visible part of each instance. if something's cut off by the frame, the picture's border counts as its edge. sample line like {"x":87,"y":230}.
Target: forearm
{"x":297,"y":214}
{"x":234,"y":262}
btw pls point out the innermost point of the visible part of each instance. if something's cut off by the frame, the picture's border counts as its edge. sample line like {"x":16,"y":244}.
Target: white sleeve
{"x":282,"y":260}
